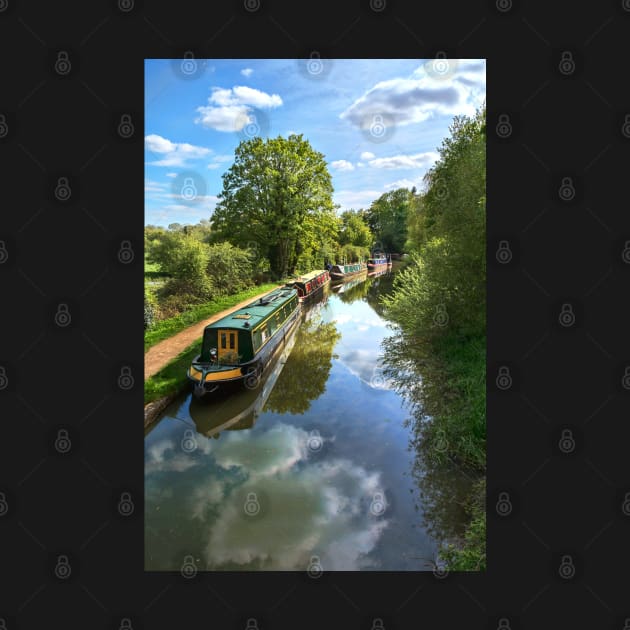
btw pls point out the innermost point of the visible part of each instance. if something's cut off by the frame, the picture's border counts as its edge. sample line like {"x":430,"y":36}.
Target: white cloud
{"x":171,"y":174}
{"x":356,"y":199}
{"x":422,"y":95}
{"x":405,"y":183}
{"x":154,"y":187}
{"x":172,"y":153}
{"x":367,"y":155}
{"x":219,"y":160}
{"x":230,"y":109}
{"x":342,"y":165}
{"x":247,"y":72}
{"x":418,"y":160}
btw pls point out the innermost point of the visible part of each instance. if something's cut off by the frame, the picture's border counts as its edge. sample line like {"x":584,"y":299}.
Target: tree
{"x":416,"y":231}
{"x":354,"y":230}
{"x":449,"y":272}
{"x":278,"y":195}
{"x":387,"y":218}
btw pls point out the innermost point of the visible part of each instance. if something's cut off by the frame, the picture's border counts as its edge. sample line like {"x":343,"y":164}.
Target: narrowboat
{"x":342,"y":272}
{"x":378,"y":261}
{"x":309,"y":284}
{"x":389,"y":260}
{"x":240,"y":412}
{"x":239,"y":346}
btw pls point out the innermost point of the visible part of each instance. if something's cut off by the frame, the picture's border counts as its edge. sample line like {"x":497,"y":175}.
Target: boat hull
{"x":340,"y":277}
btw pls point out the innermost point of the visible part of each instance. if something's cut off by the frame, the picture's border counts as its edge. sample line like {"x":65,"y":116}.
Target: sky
{"x":378,"y":123}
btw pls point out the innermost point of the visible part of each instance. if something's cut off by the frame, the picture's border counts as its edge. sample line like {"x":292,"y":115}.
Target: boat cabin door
{"x":228,"y":345}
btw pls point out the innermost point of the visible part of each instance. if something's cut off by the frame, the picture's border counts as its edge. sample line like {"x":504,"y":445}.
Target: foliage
{"x":353,"y":253}
{"x":278,"y":195}
{"x":448,"y":274}
{"x":416,"y":235}
{"x":354,"y":230}
{"x":183,"y":257}
{"x":229,"y":268}
{"x":387,"y":219}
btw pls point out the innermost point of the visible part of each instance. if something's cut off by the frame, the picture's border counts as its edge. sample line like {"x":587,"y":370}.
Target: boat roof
{"x":255,"y":311}
{"x":308,"y":276}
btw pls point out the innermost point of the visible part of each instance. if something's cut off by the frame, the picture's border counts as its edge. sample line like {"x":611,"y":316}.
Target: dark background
{"x":566,"y":258}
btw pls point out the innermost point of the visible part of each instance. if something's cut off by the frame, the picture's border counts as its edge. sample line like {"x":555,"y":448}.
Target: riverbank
{"x":453,"y":399}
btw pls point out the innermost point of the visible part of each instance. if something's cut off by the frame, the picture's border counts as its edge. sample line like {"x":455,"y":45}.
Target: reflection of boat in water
{"x":380,"y":272}
{"x":346,"y":286}
{"x":233,"y":413}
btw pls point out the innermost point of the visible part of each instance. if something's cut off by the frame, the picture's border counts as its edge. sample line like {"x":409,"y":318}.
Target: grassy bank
{"x":168,"y":327}
{"x":454,"y":380}
{"x":171,"y":379}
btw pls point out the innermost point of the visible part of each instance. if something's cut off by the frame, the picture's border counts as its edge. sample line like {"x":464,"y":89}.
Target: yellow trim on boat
{"x":216,"y":376}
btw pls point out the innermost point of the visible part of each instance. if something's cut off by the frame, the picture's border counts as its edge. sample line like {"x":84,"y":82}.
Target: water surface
{"x":314,"y":467}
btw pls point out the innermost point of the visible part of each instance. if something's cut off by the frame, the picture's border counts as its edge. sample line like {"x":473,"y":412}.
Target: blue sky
{"x":377,"y":122}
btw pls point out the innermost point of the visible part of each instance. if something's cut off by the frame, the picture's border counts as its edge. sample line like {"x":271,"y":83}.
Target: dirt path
{"x":156,"y":357}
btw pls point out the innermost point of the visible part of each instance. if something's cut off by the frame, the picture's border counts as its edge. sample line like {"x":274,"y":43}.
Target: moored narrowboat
{"x":309,"y":284}
{"x":378,"y":261}
{"x":239,"y":346}
{"x":343,"y":272}
{"x":239,"y":412}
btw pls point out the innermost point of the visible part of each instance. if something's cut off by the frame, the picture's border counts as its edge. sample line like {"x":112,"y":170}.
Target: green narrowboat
{"x":343,"y":272}
{"x":239,"y":346}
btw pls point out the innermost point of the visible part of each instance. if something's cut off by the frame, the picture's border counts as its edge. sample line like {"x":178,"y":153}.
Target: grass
{"x":168,"y":327}
{"x":459,"y":412}
{"x":171,"y":379}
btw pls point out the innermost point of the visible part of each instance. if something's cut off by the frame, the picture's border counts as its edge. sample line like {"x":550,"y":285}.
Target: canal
{"x":317,"y":468}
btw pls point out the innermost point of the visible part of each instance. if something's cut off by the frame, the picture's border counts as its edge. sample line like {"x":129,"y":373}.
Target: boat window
{"x":223,"y":341}
{"x":232,"y":336}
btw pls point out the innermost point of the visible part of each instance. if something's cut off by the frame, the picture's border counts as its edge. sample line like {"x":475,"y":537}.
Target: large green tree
{"x":277,"y":198}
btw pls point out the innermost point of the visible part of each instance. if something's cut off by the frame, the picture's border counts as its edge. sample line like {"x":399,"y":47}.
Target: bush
{"x":229,"y":268}
{"x":353,"y":253}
